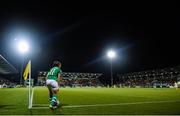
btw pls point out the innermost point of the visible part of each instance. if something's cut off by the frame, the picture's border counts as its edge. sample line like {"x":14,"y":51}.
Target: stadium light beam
{"x":111,"y":54}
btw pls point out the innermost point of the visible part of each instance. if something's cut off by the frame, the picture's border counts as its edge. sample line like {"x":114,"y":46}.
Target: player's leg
{"x":55,"y":100}
{"x":50,"y":92}
{"x":49,"y":86}
{"x":55,"y":90}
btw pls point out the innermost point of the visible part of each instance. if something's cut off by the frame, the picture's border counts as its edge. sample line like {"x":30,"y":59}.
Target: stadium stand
{"x":151,"y":78}
{"x":6,"y":70}
{"x":74,"y":79}
{"x":5,"y":83}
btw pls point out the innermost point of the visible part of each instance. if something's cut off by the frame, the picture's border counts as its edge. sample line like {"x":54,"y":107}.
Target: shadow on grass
{"x":8,"y":107}
{"x":3,"y":106}
{"x":45,"y":106}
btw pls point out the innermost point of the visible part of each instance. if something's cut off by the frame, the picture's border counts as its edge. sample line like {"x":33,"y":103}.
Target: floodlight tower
{"x":111,"y":54}
{"x":23,"y":48}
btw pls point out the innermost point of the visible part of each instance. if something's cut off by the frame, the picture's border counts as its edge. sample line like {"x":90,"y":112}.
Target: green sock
{"x":54,"y":99}
{"x":54,"y":96}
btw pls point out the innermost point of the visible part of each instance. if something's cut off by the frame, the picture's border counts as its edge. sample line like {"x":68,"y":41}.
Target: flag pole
{"x":30,"y":105}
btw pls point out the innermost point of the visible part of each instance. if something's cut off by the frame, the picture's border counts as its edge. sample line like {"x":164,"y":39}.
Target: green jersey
{"x":53,"y":73}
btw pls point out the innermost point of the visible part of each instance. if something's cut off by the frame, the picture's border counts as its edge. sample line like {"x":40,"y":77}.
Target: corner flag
{"x":27,"y":71}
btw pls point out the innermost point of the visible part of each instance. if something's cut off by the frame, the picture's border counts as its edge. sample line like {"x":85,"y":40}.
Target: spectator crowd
{"x":151,"y":78}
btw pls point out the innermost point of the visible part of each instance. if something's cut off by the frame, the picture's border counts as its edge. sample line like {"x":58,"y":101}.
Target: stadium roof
{"x":6,"y":67}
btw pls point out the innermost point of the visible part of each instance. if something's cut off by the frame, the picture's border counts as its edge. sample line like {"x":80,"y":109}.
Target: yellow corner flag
{"x":26,"y":71}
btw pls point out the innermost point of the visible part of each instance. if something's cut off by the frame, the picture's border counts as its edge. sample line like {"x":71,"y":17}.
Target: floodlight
{"x":111,"y":54}
{"x":23,"y":46}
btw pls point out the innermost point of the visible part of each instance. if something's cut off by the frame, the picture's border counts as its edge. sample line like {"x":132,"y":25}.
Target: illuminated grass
{"x":14,"y":101}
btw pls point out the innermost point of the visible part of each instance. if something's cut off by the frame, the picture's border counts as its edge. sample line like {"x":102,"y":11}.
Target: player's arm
{"x":59,"y":77}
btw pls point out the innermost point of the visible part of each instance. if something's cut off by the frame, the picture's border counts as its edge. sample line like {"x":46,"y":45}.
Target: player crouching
{"x":53,"y":77}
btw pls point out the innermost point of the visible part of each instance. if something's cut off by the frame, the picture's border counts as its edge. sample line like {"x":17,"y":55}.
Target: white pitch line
{"x":96,"y":105}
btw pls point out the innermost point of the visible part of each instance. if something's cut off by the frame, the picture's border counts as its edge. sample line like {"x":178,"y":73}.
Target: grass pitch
{"x":146,"y":101}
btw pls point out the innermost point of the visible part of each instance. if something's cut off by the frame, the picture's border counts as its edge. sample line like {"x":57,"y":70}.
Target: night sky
{"x":144,"y":34}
